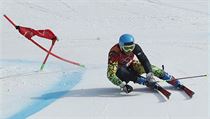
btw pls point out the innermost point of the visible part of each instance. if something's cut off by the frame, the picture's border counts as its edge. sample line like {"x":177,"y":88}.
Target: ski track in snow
{"x":44,"y":10}
{"x":158,"y":2}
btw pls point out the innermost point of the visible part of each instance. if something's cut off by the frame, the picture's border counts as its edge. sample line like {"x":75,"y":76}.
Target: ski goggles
{"x":128,"y":48}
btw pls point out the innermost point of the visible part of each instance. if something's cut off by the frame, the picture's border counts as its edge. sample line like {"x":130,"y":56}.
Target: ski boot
{"x":143,"y":81}
{"x":154,"y":86}
{"x":176,"y":83}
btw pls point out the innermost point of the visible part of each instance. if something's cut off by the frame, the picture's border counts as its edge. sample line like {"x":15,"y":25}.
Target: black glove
{"x":126,"y":88}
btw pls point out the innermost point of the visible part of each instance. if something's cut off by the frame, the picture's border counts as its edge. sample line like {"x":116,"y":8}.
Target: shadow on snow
{"x":97,"y":92}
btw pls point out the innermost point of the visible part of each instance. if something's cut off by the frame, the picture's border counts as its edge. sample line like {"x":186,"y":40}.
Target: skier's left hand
{"x":150,"y":81}
{"x":150,"y":77}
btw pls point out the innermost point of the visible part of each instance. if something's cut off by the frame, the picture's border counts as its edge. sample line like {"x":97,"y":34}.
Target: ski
{"x":160,"y":89}
{"x":189,"y":92}
{"x":174,"y":82}
{"x":164,"y":92}
{"x":154,"y":86}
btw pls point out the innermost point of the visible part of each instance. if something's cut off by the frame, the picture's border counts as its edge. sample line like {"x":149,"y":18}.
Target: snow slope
{"x":171,"y":32}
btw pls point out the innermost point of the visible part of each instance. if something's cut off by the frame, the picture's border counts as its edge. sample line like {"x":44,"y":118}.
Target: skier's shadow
{"x":96,"y":92}
{"x":91,"y":92}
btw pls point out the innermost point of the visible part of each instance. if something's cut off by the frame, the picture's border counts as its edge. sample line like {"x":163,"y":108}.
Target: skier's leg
{"x":125,"y":74}
{"x":139,"y":70}
{"x":160,"y":73}
{"x":137,"y":67}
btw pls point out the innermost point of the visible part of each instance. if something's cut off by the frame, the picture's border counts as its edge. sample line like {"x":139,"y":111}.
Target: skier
{"x":123,"y":67}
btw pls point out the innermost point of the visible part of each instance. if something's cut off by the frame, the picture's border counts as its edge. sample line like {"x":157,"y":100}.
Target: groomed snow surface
{"x":171,"y":32}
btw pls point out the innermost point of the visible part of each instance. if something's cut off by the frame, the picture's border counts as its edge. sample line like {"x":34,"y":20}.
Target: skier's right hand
{"x":126,"y":88}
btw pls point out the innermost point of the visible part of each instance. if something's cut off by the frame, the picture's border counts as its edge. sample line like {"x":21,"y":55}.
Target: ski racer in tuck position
{"x":122,"y":66}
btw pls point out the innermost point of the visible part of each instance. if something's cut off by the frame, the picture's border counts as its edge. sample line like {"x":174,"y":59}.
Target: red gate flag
{"x":48,"y":34}
{"x":29,"y":33}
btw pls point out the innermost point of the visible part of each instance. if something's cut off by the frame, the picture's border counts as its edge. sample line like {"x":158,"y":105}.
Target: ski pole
{"x":181,"y":78}
{"x":192,"y":77}
{"x":204,"y":75}
{"x":45,"y":60}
